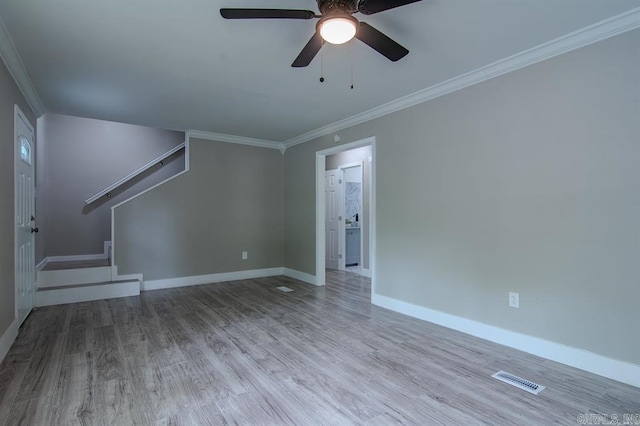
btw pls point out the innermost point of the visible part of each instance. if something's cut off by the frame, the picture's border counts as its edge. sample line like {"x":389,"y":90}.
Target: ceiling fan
{"x":336,"y":25}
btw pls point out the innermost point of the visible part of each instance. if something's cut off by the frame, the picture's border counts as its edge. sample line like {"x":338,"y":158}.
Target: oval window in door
{"x":25,"y":150}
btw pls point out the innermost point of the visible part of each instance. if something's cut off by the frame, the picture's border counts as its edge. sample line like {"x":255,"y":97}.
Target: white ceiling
{"x":179,"y":65}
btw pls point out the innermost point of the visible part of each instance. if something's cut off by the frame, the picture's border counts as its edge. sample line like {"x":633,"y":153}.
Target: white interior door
{"x":334,"y":225}
{"x":25,"y":216}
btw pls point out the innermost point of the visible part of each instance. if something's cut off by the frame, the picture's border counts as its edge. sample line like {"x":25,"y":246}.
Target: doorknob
{"x":34,"y":230}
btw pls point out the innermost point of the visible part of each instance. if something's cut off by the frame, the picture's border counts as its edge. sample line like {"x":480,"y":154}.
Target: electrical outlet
{"x":245,"y":255}
{"x":514,"y":300}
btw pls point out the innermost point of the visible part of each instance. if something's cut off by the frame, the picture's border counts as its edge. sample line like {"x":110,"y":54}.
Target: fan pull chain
{"x":322,"y":63}
{"x":351,"y":54}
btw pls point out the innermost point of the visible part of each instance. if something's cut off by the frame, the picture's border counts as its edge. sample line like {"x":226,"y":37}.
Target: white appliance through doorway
{"x":24,"y":190}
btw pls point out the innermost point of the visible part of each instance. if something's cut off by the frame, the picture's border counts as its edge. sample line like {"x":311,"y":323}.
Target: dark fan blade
{"x":369,"y":7}
{"x":380,"y":42}
{"x":308,"y":52}
{"x":266,"y":14}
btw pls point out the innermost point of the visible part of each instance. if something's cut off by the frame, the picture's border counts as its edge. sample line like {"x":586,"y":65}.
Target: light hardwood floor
{"x":246,"y":353}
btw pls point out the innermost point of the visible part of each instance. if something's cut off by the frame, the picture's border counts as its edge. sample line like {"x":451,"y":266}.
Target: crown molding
{"x":221,"y":137}
{"x":604,"y":29}
{"x":18,"y":71}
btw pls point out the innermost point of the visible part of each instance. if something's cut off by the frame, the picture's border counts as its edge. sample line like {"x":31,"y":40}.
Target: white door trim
{"x":18,"y":115}
{"x":320,"y":208}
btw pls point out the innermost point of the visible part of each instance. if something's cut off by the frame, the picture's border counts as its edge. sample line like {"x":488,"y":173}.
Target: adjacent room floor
{"x":246,"y":353}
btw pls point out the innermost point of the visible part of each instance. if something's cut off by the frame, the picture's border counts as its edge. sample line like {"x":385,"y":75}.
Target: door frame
{"x":320,"y":207}
{"x":19,"y":115}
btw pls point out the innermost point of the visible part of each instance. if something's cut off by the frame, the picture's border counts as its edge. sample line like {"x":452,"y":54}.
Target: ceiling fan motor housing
{"x":337,"y":7}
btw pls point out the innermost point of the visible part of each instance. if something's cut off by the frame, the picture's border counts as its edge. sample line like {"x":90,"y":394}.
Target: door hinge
{"x":339,"y":217}
{"x":339,"y":180}
{"x":339,"y":256}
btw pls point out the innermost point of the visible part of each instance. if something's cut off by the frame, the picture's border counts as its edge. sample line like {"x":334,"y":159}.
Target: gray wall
{"x":9,"y":96}
{"x":357,"y":155}
{"x":527,"y":182}
{"x":230,"y":201}
{"x":82,"y":157}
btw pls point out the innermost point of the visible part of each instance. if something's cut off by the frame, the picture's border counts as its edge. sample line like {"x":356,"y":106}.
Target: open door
{"x":25,"y":269}
{"x":334,"y":227}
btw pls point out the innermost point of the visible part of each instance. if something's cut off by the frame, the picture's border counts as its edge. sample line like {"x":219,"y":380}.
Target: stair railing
{"x":107,"y":191}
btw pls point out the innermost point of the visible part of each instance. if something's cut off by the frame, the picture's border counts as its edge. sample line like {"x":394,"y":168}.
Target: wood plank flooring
{"x":245,"y":353}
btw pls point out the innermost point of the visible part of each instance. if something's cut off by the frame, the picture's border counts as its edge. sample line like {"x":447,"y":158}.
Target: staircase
{"x":72,"y":282}
{"x":83,"y":278}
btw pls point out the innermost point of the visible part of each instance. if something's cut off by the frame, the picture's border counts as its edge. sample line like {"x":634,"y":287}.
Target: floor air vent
{"x":518,"y":382}
{"x":284,"y":289}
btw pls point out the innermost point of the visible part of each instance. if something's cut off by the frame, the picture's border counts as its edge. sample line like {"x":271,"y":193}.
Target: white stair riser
{"x":73,"y":276}
{"x":85,"y":294}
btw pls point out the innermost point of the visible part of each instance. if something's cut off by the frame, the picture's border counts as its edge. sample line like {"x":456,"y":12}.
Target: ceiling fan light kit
{"x":336,"y":25}
{"x":337,"y":30}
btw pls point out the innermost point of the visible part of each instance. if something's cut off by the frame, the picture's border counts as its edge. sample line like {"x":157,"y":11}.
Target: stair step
{"x":75,"y":264}
{"x":64,"y":277}
{"x":60,"y":287}
{"x":85,"y":292}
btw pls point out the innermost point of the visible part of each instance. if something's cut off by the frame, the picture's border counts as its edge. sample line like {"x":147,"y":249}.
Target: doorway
{"x":347,"y":187}
{"x":24,"y":204}
{"x":366,"y":223}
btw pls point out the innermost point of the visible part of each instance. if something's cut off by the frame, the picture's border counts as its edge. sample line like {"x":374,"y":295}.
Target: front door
{"x":334,"y":226}
{"x":25,"y":216}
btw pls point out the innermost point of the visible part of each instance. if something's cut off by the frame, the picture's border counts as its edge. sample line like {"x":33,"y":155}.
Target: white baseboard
{"x":302,"y":276}
{"x":76,"y":257}
{"x":106,"y":247}
{"x":209,"y":279}
{"x":365,"y":272}
{"x":42,"y":264}
{"x":621,"y":371}
{"x":8,"y":338}
{"x":116,"y":277}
